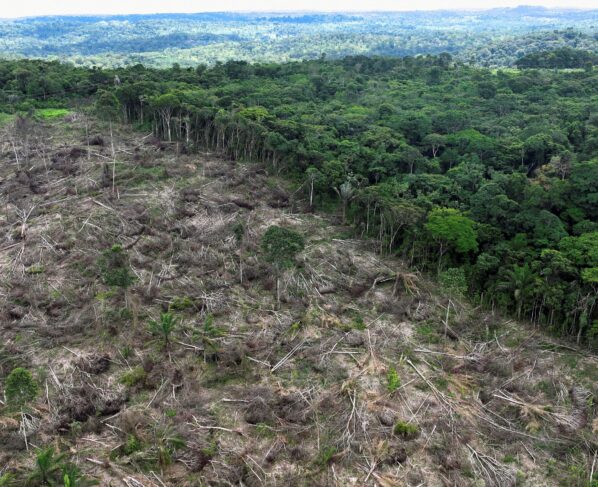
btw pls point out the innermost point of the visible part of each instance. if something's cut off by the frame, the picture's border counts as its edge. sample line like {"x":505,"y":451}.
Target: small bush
{"x":20,"y":388}
{"x":454,"y":281}
{"x":114,"y":268}
{"x":134,"y":377}
{"x":393,"y":380}
{"x":164,"y":327}
{"x":181,"y":303}
{"x":326,"y":455}
{"x":406,"y":430}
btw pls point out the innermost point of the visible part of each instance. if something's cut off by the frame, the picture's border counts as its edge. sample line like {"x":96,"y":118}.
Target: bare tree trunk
{"x":113,"y":160}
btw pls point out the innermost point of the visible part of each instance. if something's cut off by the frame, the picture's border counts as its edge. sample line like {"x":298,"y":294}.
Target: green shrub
{"x":164,"y":327}
{"x":454,"y":281}
{"x":406,"y":430}
{"x":114,"y":267}
{"x":326,"y":455}
{"x":20,"y":387}
{"x":393,"y":380}
{"x":181,"y":304}
{"x":133,"y":377}
{"x":132,"y":445}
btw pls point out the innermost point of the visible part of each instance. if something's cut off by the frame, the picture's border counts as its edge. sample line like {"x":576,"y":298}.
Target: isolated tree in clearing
{"x":280,"y":246}
{"x":20,"y":387}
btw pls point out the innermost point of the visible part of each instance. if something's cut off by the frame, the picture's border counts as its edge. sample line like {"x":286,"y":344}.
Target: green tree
{"x":451,"y":229}
{"x":47,"y":469}
{"x":519,"y":282}
{"x":163,"y":327}
{"x":107,"y":105}
{"x":280,"y":247}
{"x":20,"y":387}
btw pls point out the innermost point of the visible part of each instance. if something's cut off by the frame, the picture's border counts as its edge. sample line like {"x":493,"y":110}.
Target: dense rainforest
{"x":490,"y":38}
{"x":487,"y":179}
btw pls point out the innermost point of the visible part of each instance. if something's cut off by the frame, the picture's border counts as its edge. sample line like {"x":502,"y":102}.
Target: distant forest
{"x":490,"y":38}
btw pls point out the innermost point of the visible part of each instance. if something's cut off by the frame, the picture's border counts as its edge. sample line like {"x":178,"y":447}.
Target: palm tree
{"x":47,"y":466}
{"x":519,"y":281}
{"x":72,"y":477}
{"x":164,"y":327}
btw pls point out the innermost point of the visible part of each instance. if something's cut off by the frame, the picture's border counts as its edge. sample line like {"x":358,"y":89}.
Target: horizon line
{"x":301,"y":11}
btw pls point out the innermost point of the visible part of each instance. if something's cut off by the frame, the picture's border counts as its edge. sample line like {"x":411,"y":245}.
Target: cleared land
{"x":365,"y":374}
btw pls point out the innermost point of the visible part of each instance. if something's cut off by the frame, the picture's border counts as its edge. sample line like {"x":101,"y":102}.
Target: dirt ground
{"x":365,"y":374}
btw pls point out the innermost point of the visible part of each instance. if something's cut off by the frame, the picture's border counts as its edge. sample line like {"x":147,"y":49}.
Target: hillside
{"x":366,"y":373}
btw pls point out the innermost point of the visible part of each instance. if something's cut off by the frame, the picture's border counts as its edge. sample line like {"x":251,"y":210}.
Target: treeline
{"x":487,"y":179}
{"x":559,"y":59}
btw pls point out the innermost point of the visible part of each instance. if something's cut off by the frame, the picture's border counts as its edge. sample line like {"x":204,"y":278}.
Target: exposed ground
{"x":248,"y":392}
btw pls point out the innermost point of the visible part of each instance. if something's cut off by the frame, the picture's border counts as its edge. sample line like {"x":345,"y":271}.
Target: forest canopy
{"x":491,"y":38}
{"x":486,"y":174}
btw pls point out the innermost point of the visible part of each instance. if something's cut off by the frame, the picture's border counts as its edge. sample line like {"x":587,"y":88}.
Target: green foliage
{"x":20,"y":388}
{"x":559,"y":58}
{"x":7,"y":480}
{"x":133,"y":377}
{"x":132,"y":445}
{"x":450,"y":166}
{"x":407,"y":431}
{"x":454,"y":281}
{"x":280,"y":246}
{"x":450,"y":227}
{"x":52,"y":113}
{"x":164,"y":327}
{"x":326,"y":455}
{"x":47,"y":469}
{"x":114,"y":267}
{"x":107,"y":105}
{"x":210,"y":332}
{"x":72,"y":477}
{"x":393,"y":380}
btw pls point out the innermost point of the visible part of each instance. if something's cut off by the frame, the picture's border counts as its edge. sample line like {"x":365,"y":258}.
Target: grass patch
{"x":52,"y":113}
{"x":428,"y":333}
{"x":133,"y":377}
{"x":406,"y":430}
{"x":326,"y":455}
{"x":5,"y":118}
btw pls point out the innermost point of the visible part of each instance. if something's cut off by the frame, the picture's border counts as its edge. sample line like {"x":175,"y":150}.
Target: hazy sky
{"x":20,"y":8}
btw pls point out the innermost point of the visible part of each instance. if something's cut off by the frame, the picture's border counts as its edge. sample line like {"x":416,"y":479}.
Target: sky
{"x":29,"y":8}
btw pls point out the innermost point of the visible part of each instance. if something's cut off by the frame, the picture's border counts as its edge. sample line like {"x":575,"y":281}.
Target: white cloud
{"x":22,"y":8}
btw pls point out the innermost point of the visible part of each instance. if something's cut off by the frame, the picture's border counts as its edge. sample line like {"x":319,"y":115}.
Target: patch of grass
{"x":264,"y":431}
{"x":393,"y":380}
{"x":133,"y":377}
{"x":181,"y":303}
{"x":6,"y":118}
{"x":428,"y":333}
{"x":441,"y":383}
{"x":325,"y":455}
{"x":406,"y":430}
{"x":35,"y":269}
{"x":52,"y":113}
{"x":139,"y":175}
{"x":211,"y":450}
{"x":570,"y":360}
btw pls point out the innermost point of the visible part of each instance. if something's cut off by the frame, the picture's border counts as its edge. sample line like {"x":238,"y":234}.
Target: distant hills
{"x":495,"y":37}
